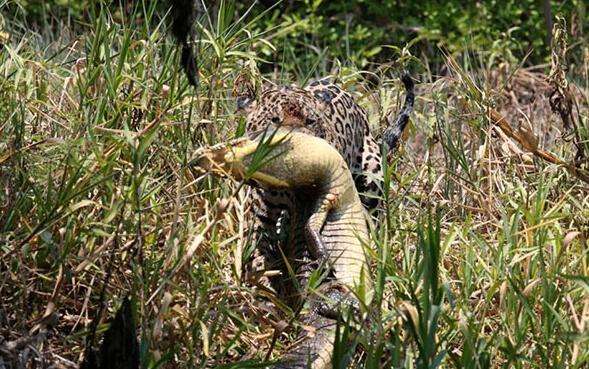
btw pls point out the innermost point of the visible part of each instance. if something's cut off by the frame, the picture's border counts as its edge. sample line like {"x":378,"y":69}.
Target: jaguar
{"x":324,"y":110}
{"x":321,"y":109}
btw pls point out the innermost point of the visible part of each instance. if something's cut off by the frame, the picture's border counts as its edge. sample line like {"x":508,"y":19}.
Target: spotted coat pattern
{"x":325,"y":110}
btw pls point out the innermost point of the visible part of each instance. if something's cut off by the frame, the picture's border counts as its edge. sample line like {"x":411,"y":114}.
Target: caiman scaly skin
{"x":334,"y":223}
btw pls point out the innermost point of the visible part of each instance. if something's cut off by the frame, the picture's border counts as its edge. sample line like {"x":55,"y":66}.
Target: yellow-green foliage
{"x":480,"y":259}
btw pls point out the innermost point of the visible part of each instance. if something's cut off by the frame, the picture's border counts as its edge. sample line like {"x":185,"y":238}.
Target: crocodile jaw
{"x":232,"y":159}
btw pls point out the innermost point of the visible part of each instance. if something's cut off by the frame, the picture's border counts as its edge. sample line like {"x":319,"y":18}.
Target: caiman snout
{"x":218,"y":159}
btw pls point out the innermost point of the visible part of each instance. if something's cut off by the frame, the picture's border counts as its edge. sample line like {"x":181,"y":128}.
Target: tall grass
{"x":480,"y":261}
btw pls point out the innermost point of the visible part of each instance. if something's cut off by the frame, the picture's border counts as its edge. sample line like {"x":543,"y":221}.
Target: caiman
{"x":332,"y":223}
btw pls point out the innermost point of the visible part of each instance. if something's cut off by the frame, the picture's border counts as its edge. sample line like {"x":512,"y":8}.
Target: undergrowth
{"x":480,"y":257}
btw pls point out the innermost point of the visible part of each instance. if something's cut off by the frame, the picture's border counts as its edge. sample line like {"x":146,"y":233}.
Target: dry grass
{"x":97,"y":127}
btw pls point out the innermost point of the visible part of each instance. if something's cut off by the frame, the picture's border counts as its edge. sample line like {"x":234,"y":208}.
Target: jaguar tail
{"x":394,"y":130}
{"x":184,"y":13}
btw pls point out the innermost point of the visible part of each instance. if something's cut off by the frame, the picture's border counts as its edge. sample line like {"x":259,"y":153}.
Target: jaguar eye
{"x":275,"y":120}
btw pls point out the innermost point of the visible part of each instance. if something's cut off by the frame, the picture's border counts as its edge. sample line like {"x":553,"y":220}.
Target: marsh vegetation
{"x":480,"y":258}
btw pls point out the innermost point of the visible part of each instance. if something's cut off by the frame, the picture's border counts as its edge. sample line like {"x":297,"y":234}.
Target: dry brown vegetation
{"x":97,"y":204}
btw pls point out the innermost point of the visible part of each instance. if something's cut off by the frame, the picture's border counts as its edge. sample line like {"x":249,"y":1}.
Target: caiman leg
{"x":315,"y":224}
{"x":335,"y":297}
